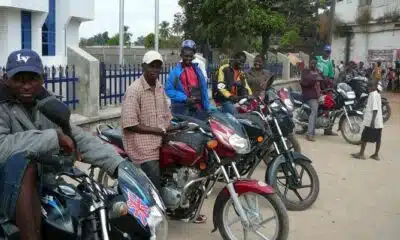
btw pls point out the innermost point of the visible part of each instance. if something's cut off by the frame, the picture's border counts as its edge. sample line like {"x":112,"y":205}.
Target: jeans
{"x":313,"y":103}
{"x":152,"y":170}
{"x":228,"y":107}
{"x":11,"y":174}
{"x":181,"y":108}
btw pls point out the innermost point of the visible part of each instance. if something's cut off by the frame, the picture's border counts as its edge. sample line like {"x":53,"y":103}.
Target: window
{"x":26,"y":30}
{"x":49,"y":31}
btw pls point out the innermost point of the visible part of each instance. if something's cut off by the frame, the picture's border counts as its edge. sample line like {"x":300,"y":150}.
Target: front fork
{"x":347,"y":117}
{"x":235,"y":197}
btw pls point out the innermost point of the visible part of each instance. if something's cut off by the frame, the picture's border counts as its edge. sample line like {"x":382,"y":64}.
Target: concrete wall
{"x":347,"y":10}
{"x":88,"y":69}
{"x":383,"y":36}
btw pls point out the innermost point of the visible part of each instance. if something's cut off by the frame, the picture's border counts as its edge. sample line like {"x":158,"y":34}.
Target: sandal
{"x":200,"y":219}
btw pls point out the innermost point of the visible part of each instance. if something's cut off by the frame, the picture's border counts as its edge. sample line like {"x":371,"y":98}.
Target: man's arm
{"x":32,"y":142}
{"x":170,"y":87}
{"x":94,"y":152}
{"x":375,"y":107}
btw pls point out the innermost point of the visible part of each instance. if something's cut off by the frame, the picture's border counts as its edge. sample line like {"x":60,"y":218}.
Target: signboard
{"x":380,"y":55}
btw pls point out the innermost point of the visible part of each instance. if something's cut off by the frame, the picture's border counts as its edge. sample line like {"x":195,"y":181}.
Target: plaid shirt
{"x":147,"y":106}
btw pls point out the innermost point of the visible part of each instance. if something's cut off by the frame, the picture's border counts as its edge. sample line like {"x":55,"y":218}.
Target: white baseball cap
{"x":152,"y":56}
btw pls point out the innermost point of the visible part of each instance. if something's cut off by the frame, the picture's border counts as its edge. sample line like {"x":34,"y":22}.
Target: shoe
{"x":358,"y":156}
{"x":310,"y":138}
{"x":375,"y":157}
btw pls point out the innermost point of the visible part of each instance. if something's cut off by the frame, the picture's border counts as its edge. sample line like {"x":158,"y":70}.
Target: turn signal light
{"x":212,"y":144}
{"x":260,"y":139}
{"x":202,"y":166}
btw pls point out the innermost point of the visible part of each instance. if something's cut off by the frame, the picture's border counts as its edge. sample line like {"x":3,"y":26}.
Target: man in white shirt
{"x":373,"y":123}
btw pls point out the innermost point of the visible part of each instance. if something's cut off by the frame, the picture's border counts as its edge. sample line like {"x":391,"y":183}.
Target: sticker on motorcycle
{"x":137,"y":208}
{"x":221,"y":85}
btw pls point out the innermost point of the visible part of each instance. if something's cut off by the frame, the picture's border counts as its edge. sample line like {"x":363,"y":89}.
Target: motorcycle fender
{"x":350,"y":113}
{"x":241,"y":186}
{"x":274,"y":164}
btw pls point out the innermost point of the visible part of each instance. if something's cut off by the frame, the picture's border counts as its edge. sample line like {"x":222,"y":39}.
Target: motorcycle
{"x":88,"y":210}
{"x":273,"y":122}
{"x":359,"y":86}
{"x":333,"y":104}
{"x":192,"y":161}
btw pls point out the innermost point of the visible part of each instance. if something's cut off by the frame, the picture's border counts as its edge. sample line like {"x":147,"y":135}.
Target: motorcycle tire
{"x":341,"y":127}
{"x":386,"y":111}
{"x":312,"y":196}
{"x":273,"y":199}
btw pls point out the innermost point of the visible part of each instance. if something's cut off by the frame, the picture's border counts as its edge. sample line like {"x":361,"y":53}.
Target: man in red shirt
{"x":186,"y":85}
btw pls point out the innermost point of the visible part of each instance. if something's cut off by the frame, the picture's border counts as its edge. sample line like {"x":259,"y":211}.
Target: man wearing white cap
{"x":145,"y":117}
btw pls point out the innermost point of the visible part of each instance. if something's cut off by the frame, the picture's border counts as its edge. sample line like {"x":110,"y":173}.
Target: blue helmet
{"x":327,"y":48}
{"x":189,"y":44}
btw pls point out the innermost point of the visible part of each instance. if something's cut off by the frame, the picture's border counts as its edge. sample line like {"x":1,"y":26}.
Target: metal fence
{"x":62,"y":81}
{"x":114,"y":79}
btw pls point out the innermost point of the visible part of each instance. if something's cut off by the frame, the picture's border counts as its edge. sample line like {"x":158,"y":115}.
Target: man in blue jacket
{"x":186,"y":85}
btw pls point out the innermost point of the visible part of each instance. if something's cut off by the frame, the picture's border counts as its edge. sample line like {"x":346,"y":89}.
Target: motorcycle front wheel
{"x":272,"y":223}
{"x":284,"y":185}
{"x":351,"y":133}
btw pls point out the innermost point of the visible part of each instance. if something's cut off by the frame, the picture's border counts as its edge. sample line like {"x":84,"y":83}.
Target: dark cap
{"x":24,"y":60}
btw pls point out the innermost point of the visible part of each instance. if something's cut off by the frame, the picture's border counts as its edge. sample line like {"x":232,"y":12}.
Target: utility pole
{"x":121,"y":32}
{"x":332,"y":20}
{"x":156,"y":23}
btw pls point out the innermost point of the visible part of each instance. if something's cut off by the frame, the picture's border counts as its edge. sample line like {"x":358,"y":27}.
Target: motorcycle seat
{"x":204,"y":125}
{"x":115,"y":136}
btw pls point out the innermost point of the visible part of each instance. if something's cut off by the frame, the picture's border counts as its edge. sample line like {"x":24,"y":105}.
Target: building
{"x":46,"y":26}
{"x":370,"y":30}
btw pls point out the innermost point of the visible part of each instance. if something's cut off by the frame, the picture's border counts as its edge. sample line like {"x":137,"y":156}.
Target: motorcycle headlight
{"x":239,"y":144}
{"x":158,"y":224}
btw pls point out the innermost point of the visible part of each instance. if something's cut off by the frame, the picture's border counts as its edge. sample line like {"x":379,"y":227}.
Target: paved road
{"x":358,"y":199}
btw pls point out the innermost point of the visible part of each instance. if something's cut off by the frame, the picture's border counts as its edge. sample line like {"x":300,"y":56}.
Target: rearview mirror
{"x":56,"y":111}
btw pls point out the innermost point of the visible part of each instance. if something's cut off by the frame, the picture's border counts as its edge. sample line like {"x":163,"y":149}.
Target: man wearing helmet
{"x":325,"y":66}
{"x":186,"y":85}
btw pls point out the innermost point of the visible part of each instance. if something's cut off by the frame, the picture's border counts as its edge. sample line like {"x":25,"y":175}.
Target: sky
{"x":139,"y":16}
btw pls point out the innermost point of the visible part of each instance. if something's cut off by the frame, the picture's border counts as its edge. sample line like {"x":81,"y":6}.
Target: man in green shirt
{"x":325,"y":65}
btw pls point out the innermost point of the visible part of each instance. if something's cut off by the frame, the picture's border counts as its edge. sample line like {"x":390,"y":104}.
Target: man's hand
{"x":372,"y":124}
{"x":66,"y":143}
{"x":233,"y":98}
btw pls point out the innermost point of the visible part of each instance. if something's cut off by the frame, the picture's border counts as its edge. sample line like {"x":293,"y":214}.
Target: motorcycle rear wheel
{"x":305,"y":203}
{"x":280,"y":214}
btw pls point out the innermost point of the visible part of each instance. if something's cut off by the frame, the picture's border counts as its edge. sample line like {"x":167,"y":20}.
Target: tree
{"x":177,"y":26}
{"x":149,"y":40}
{"x":139,"y":41}
{"x":115,"y":39}
{"x":165,"y":31}
{"x":98,"y":39}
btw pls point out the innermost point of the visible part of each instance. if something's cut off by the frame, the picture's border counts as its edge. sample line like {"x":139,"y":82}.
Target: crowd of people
{"x":145,"y":118}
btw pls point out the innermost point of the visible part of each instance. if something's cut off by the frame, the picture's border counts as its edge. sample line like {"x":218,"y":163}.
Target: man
{"x":26,"y":135}
{"x":231,"y":84}
{"x":258,"y":78}
{"x":324,"y":64}
{"x":361,"y":69}
{"x":373,"y":122}
{"x":310,"y":80}
{"x":378,"y":72}
{"x":145,"y":119}
{"x":186,"y":85}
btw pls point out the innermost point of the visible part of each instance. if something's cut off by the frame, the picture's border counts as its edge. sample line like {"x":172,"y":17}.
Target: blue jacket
{"x":177,"y":94}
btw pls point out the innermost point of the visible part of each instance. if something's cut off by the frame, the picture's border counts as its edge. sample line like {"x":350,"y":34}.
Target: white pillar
{"x":121,"y":32}
{"x":156,"y":24}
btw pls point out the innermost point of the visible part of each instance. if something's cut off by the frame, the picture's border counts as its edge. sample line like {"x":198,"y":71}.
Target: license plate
{"x":349,"y":102}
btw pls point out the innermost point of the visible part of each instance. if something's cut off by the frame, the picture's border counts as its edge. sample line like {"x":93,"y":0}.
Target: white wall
{"x":346,"y":10}
{"x":84,"y":11}
{"x":379,"y":37}
{"x":31,"y":5}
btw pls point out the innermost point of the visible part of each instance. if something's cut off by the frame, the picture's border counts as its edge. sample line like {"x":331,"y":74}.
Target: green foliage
{"x":290,"y":39}
{"x":139,"y":41}
{"x":98,"y":39}
{"x":149,"y":41}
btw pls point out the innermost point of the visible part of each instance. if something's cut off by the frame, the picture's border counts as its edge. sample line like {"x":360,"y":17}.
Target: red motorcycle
{"x":193,"y":159}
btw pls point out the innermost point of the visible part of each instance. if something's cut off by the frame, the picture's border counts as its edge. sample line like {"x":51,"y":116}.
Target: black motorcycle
{"x":359,"y":86}
{"x":333,"y":104}
{"x":87,"y":210}
{"x":270,"y":126}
